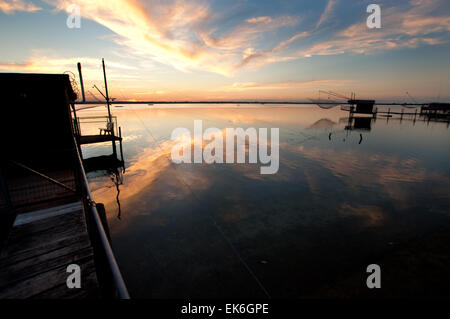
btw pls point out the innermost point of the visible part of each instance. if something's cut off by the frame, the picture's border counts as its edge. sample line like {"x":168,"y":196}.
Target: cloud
{"x":371,"y":216}
{"x":325,"y":15}
{"x":252,"y":29}
{"x":179,"y":33}
{"x":259,"y":19}
{"x":401,"y":28}
{"x":40,"y":63}
{"x":258,"y":59}
{"x":189,"y":36}
{"x":11,"y":6}
{"x":242,"y":86}
{"x":44,"y":62}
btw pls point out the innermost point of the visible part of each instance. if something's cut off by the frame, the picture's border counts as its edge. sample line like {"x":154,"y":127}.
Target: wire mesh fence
{"x":26,"y":183}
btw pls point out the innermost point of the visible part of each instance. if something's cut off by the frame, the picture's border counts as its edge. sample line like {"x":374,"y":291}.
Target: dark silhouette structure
{"x":47,"y":216}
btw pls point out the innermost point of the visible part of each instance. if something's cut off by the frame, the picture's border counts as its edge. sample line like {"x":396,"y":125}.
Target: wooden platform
{"x":104,"y":162}
{"x":91,"y":139}
{"x":41,"y":246}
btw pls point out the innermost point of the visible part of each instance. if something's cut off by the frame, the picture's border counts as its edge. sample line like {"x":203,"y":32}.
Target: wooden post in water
{"x":120,"y":144}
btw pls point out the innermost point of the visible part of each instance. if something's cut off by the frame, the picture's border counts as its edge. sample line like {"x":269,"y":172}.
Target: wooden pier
{"x":48,"y":217}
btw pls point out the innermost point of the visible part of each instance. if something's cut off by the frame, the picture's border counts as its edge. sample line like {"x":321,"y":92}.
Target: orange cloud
{"x":372,"y":215}
{"x":241,"y":86}
{"x":175,"y":32}
{"x":11,"y":6}
{"x":325,"y":15}
{"x":400,"y":29}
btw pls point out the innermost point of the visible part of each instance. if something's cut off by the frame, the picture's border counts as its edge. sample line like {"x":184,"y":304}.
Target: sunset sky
{"x":249,"y":49}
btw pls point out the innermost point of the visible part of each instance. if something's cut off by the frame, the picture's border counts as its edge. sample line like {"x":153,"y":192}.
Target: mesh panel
{"x":26,"y":188}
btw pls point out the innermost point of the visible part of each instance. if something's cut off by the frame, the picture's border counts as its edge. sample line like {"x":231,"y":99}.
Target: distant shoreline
{"x":242,"y":102}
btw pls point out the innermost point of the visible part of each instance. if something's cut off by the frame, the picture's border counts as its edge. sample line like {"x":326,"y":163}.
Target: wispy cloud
{"x":11,"y":6}
{"x":242,"y":86}
{"x":41,"y":62}
{"x":402,"y":28}
{"x":259,"y":58}
{"x":52,"y":64}
{"x":179,"y":33}
{"x":326,"y":14}
{"x":243,"y":34}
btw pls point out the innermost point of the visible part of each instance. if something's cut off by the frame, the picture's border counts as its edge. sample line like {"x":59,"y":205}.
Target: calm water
{"x":338,"y":202}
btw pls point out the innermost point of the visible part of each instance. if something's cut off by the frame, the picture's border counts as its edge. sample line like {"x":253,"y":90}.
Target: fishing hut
{"x":48,"y":218}
{"x":436,"y":110}
{"x":347,"y":103}
{"x":362,"y":106}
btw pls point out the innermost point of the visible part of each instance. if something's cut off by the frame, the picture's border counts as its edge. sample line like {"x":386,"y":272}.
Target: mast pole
{"x":109,"y":110}
{"x":106,"y":90}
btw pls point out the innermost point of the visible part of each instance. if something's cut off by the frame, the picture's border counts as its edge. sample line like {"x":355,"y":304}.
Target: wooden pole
{"x":120,"y":141}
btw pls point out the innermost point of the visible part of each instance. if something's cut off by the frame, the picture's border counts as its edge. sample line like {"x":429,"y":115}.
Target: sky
{"x":235,"y":50}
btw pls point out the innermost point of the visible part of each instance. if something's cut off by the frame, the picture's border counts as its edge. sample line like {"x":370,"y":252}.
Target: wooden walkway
{"x":41,"y":245}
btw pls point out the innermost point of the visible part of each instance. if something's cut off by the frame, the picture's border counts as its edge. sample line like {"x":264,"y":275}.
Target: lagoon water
{"x":342,"y":199}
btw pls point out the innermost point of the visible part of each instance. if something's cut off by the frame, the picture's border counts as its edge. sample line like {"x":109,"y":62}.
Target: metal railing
{"x":94,"y":122}
{"x":114,"y":268}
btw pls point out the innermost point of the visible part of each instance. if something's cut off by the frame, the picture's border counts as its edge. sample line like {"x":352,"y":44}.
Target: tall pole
{"x":81,"y":82}
{"x":106,"y":90}
{"x":109,"y":111}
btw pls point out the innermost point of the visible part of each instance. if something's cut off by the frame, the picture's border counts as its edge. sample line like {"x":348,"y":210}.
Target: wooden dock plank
{"x":89,"y":290}
{"x":31,"y":236}
{"x":48,"y":280}
{"x":29,"y":269}
{"x":46,"y":213}
{"x":82,"y":240}
{"x":40,"y":247}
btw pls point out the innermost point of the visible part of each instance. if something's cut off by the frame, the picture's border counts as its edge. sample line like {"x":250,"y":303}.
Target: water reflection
{"x":117,"y":179}
{"x":332,"y":207}
{"x":107,"y":166}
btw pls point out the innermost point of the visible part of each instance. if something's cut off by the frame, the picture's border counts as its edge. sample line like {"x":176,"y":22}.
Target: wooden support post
{"x":120,"y":141}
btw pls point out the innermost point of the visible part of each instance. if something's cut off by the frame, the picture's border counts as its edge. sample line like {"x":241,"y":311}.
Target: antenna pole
{"x":106,"y":90}
{"x":81,"y":82}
